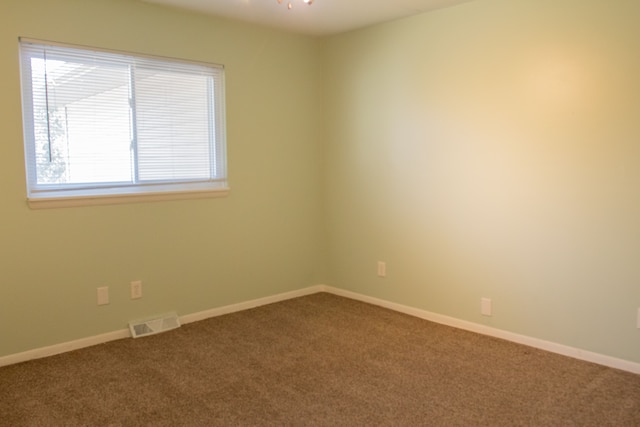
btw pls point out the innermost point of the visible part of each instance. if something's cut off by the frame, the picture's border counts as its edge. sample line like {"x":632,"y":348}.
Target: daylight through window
{"x":115,"y":125}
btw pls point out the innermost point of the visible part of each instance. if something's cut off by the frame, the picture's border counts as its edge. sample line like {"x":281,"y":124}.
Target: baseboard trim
{"x":552,"y":347}
{"x":219,"y":311}
{"x":64,"y":347}
{"x":576,"y":353}
{"x":52,"y":350}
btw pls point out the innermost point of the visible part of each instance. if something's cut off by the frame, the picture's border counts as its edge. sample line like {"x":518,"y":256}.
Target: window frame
{"x":67,"y":195}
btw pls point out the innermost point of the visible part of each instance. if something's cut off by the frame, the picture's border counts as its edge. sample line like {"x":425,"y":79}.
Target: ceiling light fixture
{"x":290,"y":4}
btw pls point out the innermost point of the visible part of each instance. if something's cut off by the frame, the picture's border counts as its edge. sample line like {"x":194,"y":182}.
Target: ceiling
{"x":323,"y":17}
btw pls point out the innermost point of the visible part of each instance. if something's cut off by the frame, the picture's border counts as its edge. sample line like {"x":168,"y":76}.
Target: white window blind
{"x":101,"y":123}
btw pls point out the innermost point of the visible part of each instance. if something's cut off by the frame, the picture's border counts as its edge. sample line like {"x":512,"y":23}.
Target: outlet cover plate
{"x":382,"y":269}
{"x":485,"y":306}
{"x":103,"y":295}
{"x":136,"y":289}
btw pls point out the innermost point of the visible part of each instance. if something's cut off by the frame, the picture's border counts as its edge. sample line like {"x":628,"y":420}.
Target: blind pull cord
{"x":46,"y":102}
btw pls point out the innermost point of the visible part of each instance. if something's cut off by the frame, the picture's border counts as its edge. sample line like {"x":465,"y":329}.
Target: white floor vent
{"x":142,"y":328}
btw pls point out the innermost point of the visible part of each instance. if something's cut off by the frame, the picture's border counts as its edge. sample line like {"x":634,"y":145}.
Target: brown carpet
{"x":319,"y":360}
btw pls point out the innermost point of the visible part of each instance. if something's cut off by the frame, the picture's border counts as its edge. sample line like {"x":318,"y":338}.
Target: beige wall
{"x":190,"y":255}
{"x":493,"y":150}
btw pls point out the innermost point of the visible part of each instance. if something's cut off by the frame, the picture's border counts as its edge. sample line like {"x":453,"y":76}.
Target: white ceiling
{"x":323,"y":17}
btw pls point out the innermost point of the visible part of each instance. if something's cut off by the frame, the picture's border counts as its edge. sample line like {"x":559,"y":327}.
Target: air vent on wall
{"x":155,"y":325}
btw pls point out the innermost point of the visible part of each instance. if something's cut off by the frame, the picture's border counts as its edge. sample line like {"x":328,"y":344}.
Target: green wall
{"x":492,"y":149}
{"x":194,"y":255}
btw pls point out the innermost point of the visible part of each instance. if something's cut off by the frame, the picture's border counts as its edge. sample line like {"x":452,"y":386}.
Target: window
{"x":105,"y":127}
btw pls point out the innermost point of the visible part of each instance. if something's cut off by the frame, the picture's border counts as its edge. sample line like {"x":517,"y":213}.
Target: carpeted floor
{"x":319,"y":360}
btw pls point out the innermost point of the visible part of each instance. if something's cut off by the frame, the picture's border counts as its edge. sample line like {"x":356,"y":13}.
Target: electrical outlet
{"x":103,"y":295}
{"x":485,"y":306}
{"x":136,"y":289}
{"x":382,"y":269}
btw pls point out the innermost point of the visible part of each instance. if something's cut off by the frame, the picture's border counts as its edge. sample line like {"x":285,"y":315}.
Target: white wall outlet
{"x":485,"y":306}
{"x":103,"y":295}
{"x":136,"y":289}
{"x":382,"y":269}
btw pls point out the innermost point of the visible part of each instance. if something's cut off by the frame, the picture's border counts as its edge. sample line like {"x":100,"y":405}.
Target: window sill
{"x":67,"y":201}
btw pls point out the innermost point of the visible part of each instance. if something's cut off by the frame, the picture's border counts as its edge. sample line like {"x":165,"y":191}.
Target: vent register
{"x":142,"y":328}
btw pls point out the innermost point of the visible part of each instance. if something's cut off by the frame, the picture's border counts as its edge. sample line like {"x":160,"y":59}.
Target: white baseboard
{"x":64,"y":347}
{"x":576,"y":353}
{"x":552,"y":347}
{"x":126,"y":333}
{"x":214,"y":312}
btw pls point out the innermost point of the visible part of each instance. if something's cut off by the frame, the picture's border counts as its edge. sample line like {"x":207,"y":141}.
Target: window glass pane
{"x":173,"y":132}
{"x":81,"y":121}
